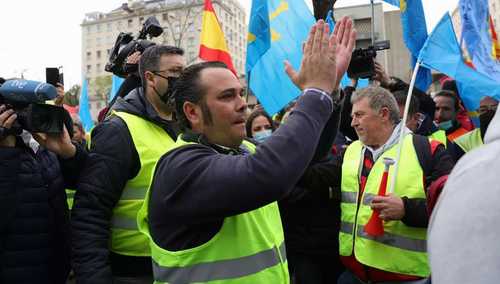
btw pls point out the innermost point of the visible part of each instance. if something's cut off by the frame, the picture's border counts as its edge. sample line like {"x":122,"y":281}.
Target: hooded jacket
{"x":464,"y":228}
{"x":112,"y":162}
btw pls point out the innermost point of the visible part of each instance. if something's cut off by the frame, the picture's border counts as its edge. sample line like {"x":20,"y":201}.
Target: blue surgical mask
{"x":445,"y":125}
{"x":262,"y":135}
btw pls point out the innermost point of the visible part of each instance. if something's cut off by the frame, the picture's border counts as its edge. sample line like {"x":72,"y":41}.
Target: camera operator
{"x":132,"y":81}
{"x":35,"y":168}
{"x":107,"y":245}
{"x":125,"y":56}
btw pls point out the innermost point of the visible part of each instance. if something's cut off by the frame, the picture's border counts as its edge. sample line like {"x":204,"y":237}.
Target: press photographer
{"x":125,"y":56}
{"x":38,"y":161}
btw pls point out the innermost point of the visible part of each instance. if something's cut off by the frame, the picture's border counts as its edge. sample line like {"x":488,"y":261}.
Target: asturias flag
{"x":414,"y":35}
{"x":213,"y":45}
{"x":442,"y":52}
{"x":84,"y":111}
{"x":116,"y":83}
{"x":479,"y":42}
{"x":277,"y":31}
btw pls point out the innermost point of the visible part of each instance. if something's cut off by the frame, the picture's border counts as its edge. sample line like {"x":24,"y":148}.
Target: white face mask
{"x":262,"y":135}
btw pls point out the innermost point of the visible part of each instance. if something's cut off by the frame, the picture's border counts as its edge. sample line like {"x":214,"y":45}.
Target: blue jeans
{"x":349,"y":278}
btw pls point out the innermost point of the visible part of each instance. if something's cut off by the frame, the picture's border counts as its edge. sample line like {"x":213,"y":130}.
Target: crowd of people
{"x":182,"y":182}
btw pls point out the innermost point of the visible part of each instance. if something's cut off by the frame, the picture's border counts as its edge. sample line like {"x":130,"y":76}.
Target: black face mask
{"x":171,"y":88}
{"x":167,"y":97}
{"x":484,"y":120}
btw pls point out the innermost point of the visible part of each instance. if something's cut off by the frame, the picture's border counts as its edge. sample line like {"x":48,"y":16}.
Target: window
{"x":89,"y":68}
{"x":164,"y":16}
{"x":98,"y":54}
{"x":129,"y":23}
{"x":141,"y":20}
{"x":89,"y":54}
{"x":108,"y":51}
{"x":98,"y":67}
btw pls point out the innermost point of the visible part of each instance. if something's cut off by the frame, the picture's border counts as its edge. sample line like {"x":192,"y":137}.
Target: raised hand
{"x":345,"y":37}
{"x":134,"y":58}
{"x":381,"y":75}
{"x":318,"y":67}
{"x":58,"y":101}
{"x":7,"y":119}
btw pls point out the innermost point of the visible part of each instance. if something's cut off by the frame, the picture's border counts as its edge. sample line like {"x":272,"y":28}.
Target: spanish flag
{"x":213,"y":46}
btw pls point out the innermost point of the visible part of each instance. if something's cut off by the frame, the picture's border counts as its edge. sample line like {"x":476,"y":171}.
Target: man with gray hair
{"x":398,"y":254}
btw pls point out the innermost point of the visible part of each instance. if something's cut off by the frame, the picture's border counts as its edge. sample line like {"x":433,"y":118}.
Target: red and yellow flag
{"x":213,"y":45}
{"x":495,"y":49}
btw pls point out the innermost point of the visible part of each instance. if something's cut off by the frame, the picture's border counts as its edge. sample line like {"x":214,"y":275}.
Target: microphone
{"x":27,"y":92}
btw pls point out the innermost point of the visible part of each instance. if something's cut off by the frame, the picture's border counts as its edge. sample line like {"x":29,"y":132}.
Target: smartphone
{"x":52,"y":76}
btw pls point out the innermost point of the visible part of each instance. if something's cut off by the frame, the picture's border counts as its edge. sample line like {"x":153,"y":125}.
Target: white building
{"x":181,"y":21}
{"x":387,"y":24}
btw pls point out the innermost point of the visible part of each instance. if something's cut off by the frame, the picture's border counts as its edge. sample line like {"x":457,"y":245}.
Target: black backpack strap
{"x":423,"y":148}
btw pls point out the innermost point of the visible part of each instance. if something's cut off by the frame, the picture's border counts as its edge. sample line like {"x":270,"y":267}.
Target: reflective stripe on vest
{"x":150,"y":142}
{"x":456,"y":134}
{"x":223,"y":269}
{"x":389,"y":239}
{"x":70,"y":195}
{"x":124,"y":223}
{"x":470,"y":140}
{"x":405,"y":245}
{"x":248,"y":248}
{"x":352,"y":197}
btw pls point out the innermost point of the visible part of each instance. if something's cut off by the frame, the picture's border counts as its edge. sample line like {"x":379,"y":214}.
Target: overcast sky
{"x":46,"y":33}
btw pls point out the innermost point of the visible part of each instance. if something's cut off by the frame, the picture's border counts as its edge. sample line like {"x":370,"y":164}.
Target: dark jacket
{"x":34,"y":228}
{"x":427,"y":127}
{"x":195,"y":187}
{"x":311,"y":222}
{"x":427,"y":104}
{"x":112,"y":162}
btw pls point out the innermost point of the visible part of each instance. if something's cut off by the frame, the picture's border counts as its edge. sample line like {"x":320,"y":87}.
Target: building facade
{"x":181,"y":21}
{"x":387,"y":26}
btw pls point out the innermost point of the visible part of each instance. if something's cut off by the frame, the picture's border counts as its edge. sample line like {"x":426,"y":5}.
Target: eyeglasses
{"x":484,"y":109}
{"x":157,"y":73}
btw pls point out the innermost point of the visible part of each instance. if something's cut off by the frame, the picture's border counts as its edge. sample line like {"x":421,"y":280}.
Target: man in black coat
{"x":114,"y":161}
{"x":34,"y":228}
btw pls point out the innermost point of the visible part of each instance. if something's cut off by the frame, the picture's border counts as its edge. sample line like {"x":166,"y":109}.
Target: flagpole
{"x":403,"y":126}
